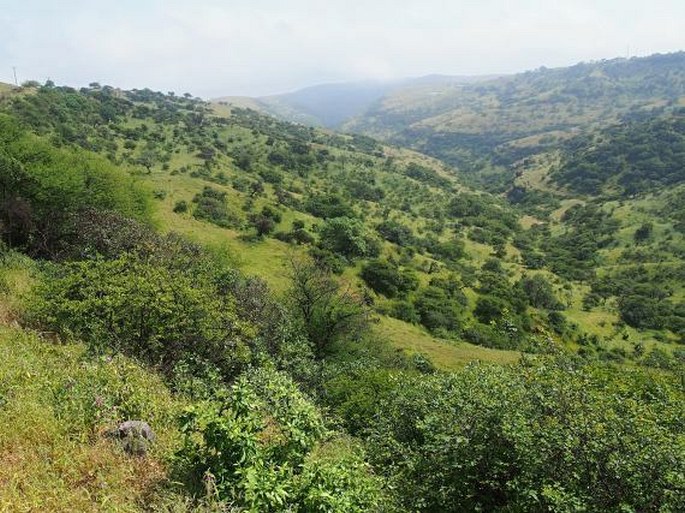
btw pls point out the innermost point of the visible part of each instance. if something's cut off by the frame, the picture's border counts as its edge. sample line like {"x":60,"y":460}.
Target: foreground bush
{"x":265,"y":447}
{"x":553,"y":436}
{"x":160,"y":314}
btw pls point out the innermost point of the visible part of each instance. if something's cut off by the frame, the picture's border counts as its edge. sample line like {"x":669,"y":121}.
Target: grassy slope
{"x":445,"y":354}
{"x":57,"y":403}
{"x":665,"y":248}
{"x":268,"y":258}
{"x":55,"y":406}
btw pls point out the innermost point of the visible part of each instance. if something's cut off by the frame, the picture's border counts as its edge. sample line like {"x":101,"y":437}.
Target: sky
{"x":214,"y":48}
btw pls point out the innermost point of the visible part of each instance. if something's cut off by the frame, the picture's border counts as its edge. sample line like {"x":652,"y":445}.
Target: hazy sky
{"x":255,"y":47}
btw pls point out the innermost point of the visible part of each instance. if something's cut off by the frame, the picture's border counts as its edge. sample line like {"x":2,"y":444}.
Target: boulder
{"x":135,"y":436}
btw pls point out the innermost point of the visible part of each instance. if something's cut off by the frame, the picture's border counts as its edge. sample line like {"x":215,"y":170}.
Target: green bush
{"x":163,"y":314}
{"x":329,"y":312}
{"x":348,"y":237}
{"x":181,"y":206}
{"x":552,"y":436}
{"x":405,"y":311}
{"x":437,"y":310}
{"x":263,"y":446}
{"x":387,"y":279}
{"x":539,"y":292}
{"x":328,"y":206}
{"x":211,"y":205}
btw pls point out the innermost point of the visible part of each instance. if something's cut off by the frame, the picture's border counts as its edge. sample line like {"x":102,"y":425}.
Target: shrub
{"x":328,"y":311}
{"x":164,"y":315}
{"x":437,"y":311}
{"x":42,"y":187}
{"x":539,"y":292}
{"x":265,"y":447}
{"x":348,"y":237}
{"x":552,"y":436}
{"x":404,"y":311}
{"x":211,"y":206}
{"x":181,"y":206}
{"x":327,"y":206}
{"x":388,"y":279}
{"x":396,"y":232}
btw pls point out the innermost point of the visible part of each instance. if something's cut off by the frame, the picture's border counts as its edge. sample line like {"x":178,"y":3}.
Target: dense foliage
{"x":263,"y":446}
{"x":552,"y":436}
{"x":42,"y":186}
{"x":633,"y":157}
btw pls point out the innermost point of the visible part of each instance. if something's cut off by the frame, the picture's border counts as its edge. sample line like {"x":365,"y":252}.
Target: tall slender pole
{"x":14,"y":70}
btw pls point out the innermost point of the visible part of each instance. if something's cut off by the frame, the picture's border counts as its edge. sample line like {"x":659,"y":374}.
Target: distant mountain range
{"x":465,"y":121}
{"x":331,"y":105}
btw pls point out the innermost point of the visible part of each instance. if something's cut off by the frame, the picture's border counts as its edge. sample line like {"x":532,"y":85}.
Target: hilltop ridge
{"x":331,"y":105}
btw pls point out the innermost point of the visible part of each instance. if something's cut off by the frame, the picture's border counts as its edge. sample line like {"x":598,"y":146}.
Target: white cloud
{"x":213,"y":47}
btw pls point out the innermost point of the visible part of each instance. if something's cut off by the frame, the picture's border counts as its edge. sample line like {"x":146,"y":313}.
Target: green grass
{"x":445,"y":354}
{"x":56,"y":405}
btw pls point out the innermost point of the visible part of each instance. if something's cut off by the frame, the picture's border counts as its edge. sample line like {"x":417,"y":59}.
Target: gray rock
{"x":135,"y":436}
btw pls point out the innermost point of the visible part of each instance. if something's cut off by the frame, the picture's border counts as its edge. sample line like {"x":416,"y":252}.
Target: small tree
{"x":328,"y":311}
{"x":643,"y":233}
{"x":263,"y":224}
{"x":539,"y":292}
{"x":387,"y":279}
{"x":348,"y":237}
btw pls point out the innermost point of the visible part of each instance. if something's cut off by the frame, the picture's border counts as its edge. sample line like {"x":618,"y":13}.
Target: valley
{"x":433,"y":304}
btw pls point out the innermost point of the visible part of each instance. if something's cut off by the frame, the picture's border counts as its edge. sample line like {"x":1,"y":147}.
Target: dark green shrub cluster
{"x":211,"y":205}
{"x":265,"y":222}
{"x":387,"y":279}
{"x":298,"y":234}
{"x":546,"y":437}
{"x":641,"y":155}
{"x":347,"y":237}
{"x":644,"y":296}
{"x":328,"y":206}
{"x":574,"y":254}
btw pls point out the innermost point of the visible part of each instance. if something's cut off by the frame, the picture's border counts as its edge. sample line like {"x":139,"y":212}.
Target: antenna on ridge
{"x":14,"y":71}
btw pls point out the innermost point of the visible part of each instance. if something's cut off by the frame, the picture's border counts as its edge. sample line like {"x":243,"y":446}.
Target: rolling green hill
{"x":506,"y":119}
{"x":396,"y":225}
{"x":221,"y":178}
{"x":331,"y":105}
{"x":314,"y":321}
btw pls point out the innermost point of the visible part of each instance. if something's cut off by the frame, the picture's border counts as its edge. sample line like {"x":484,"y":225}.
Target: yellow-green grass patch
{"x":444,"y":354}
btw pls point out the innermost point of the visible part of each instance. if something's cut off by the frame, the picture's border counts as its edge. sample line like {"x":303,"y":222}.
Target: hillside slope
{"x":253,"y":189}
{"x":502,"y":272}
{"x":347,"y":386}
{"x":506,"y":119}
